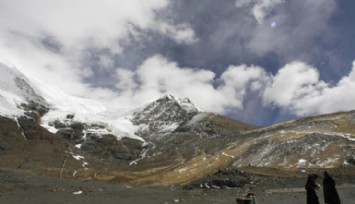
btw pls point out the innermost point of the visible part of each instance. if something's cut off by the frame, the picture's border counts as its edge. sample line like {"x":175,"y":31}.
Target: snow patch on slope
{"x":86,"y":111}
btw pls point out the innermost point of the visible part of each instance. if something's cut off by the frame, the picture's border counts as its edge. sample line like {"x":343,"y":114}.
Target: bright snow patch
{"x":302,"y":161}
{"x":227,"y":155}
{"x":85,"y":164}
{"x":77,"y":157}
{"x":77,"y":192}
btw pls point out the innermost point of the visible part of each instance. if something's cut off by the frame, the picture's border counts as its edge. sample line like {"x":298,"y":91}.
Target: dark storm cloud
{"x":230,"y":35}
{"x":223,"y":33}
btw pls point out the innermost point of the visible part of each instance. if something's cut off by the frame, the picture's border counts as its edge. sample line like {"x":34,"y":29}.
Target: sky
{"x":258,"y":61}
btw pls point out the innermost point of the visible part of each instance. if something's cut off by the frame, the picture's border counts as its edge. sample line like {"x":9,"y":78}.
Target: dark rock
{"x":58,"y":124}
{"x":31,"y":128}
{"x":228,"y":183}
{"x":351,"y":160}
{"x":108,"y":146}
{"x":78,"y":126}
{"x":222,"y":179}
{"x":73,"y":136}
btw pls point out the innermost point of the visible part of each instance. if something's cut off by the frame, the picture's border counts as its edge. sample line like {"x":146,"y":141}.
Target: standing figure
{"x":330,"y":192}
{"x":311,"y":187}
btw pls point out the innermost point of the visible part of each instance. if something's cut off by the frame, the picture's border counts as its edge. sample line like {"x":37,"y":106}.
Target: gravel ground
{"x":23,"y":188}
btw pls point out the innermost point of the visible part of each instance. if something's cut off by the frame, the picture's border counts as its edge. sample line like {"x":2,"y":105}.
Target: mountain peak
{"x":184,"y":103}
{"x":164,"y":115}
{"x":168,"y":96}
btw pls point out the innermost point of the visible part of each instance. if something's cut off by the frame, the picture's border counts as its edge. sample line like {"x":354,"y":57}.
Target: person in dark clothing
{"x":311,"y":187}
{"x":330,"y":192}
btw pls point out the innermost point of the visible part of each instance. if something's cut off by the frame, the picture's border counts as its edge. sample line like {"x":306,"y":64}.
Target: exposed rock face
{"x":103,"y":147}
{"x":73,"y":132}
{"x":310,"y":150}
{"x":18,"y":94}
{"x":100,"y":145}
{"x":35,"y":100}
{"x":163,"y":116}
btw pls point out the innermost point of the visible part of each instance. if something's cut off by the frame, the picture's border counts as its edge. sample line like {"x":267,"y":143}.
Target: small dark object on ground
{"x":250,"y":198}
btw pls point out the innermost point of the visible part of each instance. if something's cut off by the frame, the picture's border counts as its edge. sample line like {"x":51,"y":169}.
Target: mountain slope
{"x":326,"y":141}
{"x":16,"y":91}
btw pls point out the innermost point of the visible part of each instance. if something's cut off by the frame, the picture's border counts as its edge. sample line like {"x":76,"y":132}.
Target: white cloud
{"x":181,"y":33}
{"x":240,"y":79}
{"x":331,"y":99}
{"x":35,"y":62}
{"x":158,"y":76}
{"x":261,"y":8}
{"x":78,"y":22}
{"x":125,"y":79}
{"x":297,"y":88}
{"x":291,"y":83}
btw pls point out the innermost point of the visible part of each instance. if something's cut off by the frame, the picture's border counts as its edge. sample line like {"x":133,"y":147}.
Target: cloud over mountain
{"x":243,"y":58}
{"x":296,"y":87}
{"x":52,"y":38}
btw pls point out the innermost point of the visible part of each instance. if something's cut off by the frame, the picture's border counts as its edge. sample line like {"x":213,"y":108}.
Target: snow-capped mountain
{"x":18,"y":95}
{"x":150,"y":121}
{"x":63,"y":111}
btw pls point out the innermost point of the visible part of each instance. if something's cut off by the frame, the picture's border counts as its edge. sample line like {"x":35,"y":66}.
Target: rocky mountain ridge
{"x":163,"y":116}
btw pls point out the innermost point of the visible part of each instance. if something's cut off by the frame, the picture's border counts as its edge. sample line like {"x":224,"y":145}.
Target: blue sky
{"x":259,"y":61}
